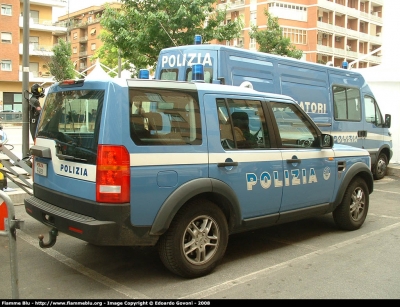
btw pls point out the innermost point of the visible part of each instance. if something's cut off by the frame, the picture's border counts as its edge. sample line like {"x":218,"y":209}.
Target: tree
{"x":60,"y":64}
{"x":140,"y":29}
{"x":271,"y":39}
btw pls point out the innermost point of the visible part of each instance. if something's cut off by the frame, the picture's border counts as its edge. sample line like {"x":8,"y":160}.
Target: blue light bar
{"x":144,"y":74}
{"x":197,"y":40}
{"x":197,"y":73}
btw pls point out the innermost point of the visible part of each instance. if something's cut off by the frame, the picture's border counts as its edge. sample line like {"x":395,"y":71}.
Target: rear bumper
{"x":88,"y":229}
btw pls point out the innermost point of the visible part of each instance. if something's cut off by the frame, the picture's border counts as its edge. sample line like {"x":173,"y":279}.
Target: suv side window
{"x":242,"y":124}
{"x":164,"y":117}
{"x":294,"y":128}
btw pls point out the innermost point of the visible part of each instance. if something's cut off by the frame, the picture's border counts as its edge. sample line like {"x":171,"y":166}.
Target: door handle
{"x":293,"y":160}
{"x":225,"y":164}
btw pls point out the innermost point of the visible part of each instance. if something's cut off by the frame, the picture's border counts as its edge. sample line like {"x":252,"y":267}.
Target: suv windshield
{"x":72,"y":118}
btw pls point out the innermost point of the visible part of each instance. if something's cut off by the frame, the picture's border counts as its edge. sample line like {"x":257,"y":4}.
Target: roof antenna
{"x":167,"y":34}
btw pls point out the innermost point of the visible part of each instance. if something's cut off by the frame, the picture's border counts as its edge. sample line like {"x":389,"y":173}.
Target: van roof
{"x":237,"y":50}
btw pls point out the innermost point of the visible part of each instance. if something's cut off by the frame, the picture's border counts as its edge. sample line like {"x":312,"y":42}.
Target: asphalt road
{"x":308,"y":259}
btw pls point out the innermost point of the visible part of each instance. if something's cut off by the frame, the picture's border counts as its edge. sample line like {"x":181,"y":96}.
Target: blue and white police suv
{"x":182,"y":165}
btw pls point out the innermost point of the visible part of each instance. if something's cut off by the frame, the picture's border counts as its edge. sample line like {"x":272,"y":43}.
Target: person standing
{"x":34,"y":108}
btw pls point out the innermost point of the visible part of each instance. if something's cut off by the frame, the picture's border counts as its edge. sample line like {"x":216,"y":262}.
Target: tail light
{"x":113,"y":174}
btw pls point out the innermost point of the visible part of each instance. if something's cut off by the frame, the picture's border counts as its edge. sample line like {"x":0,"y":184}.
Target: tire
{"x":195,"y":241}
{"x":352,"y":211}
{"x":380,"y":167}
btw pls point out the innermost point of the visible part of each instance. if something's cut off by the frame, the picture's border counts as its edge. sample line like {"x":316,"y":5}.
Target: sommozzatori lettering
{"x":294,"y":177}
{"x":313,"y":107}
{"x":186,"y":59}
{"x":76,"y":170}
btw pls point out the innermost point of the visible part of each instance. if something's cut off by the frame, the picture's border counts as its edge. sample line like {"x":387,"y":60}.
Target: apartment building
{"x":83,"y":29}
{"x":41,"y":41}
{"x":327,"y":31}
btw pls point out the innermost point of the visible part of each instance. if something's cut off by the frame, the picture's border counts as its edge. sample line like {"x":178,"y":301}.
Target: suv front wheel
{"x":351,"y":213}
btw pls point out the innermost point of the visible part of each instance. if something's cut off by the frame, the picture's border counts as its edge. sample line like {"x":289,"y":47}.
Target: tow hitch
{"x":53,"y":233}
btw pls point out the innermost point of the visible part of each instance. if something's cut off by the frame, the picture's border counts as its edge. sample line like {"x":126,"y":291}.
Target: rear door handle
{"x":225,"y":164}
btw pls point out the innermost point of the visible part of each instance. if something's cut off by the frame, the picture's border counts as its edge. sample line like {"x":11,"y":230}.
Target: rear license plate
{"x":41,"y":168}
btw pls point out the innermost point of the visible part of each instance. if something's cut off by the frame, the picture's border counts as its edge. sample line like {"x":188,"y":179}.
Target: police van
{"x":182,"y":165}
{"x":338,"y":100}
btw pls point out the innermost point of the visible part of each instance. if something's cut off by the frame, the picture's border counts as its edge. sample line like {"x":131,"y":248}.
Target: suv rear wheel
{"x":195,"y":241}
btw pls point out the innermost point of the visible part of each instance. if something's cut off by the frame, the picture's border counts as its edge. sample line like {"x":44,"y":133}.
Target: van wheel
{"x":380,"y":167}
{"x":352,"y":212}
{"x":195,"y":241}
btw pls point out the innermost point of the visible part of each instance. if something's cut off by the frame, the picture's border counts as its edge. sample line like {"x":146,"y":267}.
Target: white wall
{"x":388,"y":97}
{"x":384,"y":79}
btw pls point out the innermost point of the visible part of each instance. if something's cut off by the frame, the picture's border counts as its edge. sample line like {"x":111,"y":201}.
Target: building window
{"x":34,"y":15}
{"x":75,"y":50}
{"x":34,"y":41}
{"x":90,"y":19}
{"x":297,"y":36}
{"x":93,"y":46}
{"x":253,"y":18}
{"x":6,"y":9}
{"x":252,"y":45}
{"x":6,"y":65}
{"x":6,"y":37}
{"x":75,"y":35}
{"x":93,"y":32}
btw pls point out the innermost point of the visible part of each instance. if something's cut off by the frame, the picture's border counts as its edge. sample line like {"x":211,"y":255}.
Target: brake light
{"x":113,"y":174}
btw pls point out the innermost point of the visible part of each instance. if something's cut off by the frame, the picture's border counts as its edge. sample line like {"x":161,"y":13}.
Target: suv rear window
{"x":72,"y":119}
{"x":164,"y":117}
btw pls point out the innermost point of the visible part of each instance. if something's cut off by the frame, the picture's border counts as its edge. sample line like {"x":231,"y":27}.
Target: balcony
{"x":42,"y":25}
{"x":341,"y":53}
{"x":328,"y":28}
{"x":35,"y":49}
{"x":37,"y":77}
{"x":344,"y":10}
{"x":52,"y":3}
{"x":232,"y":6}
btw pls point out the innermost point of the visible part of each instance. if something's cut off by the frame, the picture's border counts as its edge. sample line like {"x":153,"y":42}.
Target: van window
{"x":169,"y":74}
{"x":372,"y":113}
{"x":208,"y":76}
{"x":294,"y":129}
{"x":242,"y":124}
{"x":72,"y":119}
{"x":347,"y":103}
{"x":164,"y":117}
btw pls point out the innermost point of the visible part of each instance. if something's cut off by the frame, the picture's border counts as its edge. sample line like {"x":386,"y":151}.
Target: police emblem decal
{"x":327,"y":173}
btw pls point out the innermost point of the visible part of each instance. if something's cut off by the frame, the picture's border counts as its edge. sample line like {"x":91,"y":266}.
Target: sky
{"x":76,"y":5}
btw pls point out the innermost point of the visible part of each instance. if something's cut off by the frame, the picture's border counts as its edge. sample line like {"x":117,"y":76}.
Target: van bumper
{"x":86,"y":228}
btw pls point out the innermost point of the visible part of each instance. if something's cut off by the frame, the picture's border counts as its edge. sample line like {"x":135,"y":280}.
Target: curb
{"x":393,"y":170}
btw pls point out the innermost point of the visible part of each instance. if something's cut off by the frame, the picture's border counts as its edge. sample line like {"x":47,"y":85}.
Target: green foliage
{"x":60,"y":64}
{"x":271,"y":39}
{"x":141,"y":29}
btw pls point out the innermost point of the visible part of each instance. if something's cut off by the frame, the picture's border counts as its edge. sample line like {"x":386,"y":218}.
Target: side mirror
{"x":327,"y":141}
{"x":388,"y":120}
